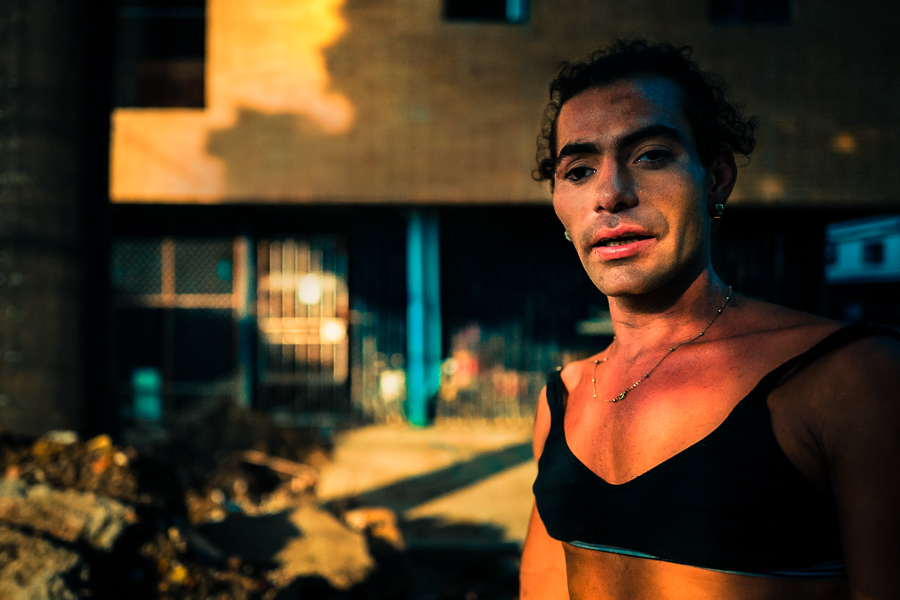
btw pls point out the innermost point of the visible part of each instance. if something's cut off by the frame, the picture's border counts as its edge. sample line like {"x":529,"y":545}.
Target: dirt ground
{"x":222,"y":504}
{"x":462,"y":494}
{"x":452,"y":484}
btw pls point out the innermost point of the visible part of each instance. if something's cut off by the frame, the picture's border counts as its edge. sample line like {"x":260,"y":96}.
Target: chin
{"x":637,"y":279}
{"x":635,"y":284}
{"x":617,"y":289}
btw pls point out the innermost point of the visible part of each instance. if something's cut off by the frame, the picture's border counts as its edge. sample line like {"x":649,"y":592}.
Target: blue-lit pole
{"x":516,"y":11}
{"x":245,"y":278}
{"x":423,"y":315}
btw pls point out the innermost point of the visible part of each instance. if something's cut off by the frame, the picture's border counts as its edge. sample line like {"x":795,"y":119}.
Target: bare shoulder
{"x":864,"y":371}
{"x":574,"y":372}
{"x":849,"y":394}
{"x":834,"y":382}
{"x":760,"y":318}
{"x":867,"y":360}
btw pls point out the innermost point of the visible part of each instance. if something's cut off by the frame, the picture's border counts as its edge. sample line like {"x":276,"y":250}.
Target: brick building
{"x":316,"y":203}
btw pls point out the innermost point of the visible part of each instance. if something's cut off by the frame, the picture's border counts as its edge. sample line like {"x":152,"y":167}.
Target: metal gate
{"x":302,"y":314}
{"x":262,"y":321}
{"x":173,"y":326}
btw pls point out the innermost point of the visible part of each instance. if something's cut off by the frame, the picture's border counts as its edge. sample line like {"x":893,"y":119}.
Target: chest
{"x":731,"y":500}
{"x":678,"y":406}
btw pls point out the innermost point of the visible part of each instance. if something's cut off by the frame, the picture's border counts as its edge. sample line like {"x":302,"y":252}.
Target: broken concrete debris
{"x":96,"y":520}
{"x":32,"y":568}
{"x":67,"y":515}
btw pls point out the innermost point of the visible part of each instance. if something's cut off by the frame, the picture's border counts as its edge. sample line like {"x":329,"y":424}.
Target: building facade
{"x":325,"y":209}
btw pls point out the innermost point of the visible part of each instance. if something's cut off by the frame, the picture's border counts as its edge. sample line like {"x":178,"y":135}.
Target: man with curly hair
{"x":720,"y":447}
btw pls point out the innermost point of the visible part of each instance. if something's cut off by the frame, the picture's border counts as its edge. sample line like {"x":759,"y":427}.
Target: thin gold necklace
{"x":665,"y":356}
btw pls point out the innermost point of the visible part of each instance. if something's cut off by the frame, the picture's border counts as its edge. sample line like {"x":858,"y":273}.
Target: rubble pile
{"x":93,"y":519}
{"x":216,"y":504}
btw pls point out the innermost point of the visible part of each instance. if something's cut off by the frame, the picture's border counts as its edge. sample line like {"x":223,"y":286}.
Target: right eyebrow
{"x":574,"y":148}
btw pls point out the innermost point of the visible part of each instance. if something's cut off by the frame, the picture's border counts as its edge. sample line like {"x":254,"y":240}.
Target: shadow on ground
{"x":259,"y":538}
{"x":444,"y":560}
{"x":411,"y":492}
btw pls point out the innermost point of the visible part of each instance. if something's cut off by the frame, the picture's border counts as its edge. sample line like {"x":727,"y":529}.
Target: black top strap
{"x":555,"y":394}
{"x":841,"y":337}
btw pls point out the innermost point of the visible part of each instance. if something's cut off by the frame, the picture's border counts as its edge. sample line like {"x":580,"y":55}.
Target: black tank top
{"x":731,"y":502}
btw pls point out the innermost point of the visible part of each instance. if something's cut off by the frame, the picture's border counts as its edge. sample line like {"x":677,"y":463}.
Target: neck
{"x":666,"y":317}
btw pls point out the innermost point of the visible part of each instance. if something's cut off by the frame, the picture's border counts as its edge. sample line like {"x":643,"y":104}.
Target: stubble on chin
{"x":626,"y":280}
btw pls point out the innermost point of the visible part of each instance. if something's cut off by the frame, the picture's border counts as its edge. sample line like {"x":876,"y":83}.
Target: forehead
{"x":608,"y":112}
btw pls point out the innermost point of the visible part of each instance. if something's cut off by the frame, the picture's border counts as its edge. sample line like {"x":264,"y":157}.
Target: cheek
{"x":691,"y":200}
{"x":693,"y":231}
{"x":562,"y":209}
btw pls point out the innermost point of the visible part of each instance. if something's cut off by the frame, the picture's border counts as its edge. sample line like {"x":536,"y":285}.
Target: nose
{"x":616,"y":190}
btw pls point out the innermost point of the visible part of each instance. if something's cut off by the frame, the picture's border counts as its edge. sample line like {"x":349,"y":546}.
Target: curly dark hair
{"x":716,"y":124}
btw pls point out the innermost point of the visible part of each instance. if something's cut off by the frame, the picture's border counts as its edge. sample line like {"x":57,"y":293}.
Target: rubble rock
{"x":183,"y":578}
{"x":67,"y":515}
{"x":34,"y":569}
{"x":96,"y":465}
{"x":211,"y":434}
{"x":377,"y":521}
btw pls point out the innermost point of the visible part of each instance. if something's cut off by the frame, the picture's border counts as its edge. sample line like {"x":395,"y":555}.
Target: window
{"x":160,"y":53}
{"x":502,"y":11}
{"x":749,"y":12}
{"x":873,"y":253}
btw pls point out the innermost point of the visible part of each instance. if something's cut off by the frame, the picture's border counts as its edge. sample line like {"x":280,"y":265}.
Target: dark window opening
{"x":873,"y":253}
{"x":160,"y":53}
{"x":501,"y":11}
{"x":748,"y":12}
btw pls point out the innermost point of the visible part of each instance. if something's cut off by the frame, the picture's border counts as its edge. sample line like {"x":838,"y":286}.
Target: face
{"x":630,"y":188}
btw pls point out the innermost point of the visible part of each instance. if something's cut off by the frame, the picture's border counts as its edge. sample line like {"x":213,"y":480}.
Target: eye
{"x":654,"y":156}
{"x":579,"y":173}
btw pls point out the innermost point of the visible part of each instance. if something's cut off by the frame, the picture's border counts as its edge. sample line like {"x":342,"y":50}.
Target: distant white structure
{"x":863,"y":250}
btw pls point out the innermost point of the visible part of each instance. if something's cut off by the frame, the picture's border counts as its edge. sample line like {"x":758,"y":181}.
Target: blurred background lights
{"x":309,"y":289}
{"x":844,"y":143}
{"x":333,"y":331}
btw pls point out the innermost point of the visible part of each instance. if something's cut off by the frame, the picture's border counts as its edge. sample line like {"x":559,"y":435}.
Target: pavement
{"x":452,"y":485}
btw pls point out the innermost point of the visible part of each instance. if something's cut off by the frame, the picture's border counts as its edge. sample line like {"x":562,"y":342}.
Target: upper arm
{"x":543,"y":568}
{"x":541,"y":424}
{"x":860,"y":436}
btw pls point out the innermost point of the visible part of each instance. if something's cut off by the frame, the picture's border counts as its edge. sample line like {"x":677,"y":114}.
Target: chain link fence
{"x":269,"y":322}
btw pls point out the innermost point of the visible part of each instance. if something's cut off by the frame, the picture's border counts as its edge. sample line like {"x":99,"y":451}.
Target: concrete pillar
{"x":51,"y":170}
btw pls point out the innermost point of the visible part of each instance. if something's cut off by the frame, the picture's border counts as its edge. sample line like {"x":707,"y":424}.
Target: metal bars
{"x":213,"y":320}
{"x":302,"y":314}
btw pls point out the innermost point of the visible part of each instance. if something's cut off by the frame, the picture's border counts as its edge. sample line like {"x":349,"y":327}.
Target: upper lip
{"x":623,"y":231}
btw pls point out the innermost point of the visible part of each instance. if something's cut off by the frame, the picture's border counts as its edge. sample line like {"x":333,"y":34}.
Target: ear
{"x":720,"y":179}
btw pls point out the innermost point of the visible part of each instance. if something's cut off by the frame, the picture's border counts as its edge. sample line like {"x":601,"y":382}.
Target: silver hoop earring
{"x":717,"y":211}
{"x":568,"y":237}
